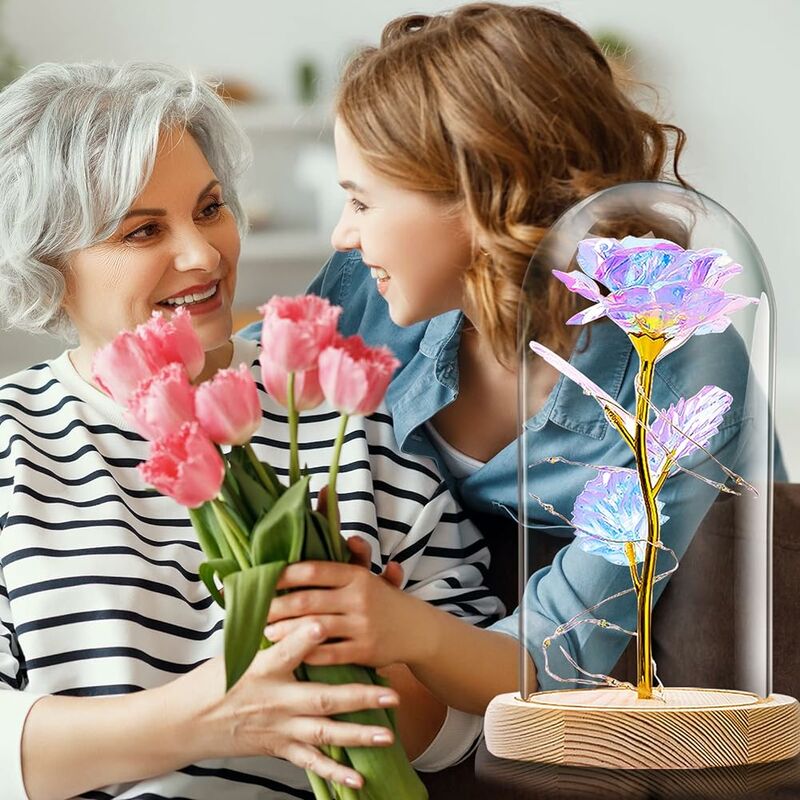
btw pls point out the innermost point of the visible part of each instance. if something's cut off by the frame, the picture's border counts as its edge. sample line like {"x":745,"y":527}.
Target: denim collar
{"x":442,"y":335}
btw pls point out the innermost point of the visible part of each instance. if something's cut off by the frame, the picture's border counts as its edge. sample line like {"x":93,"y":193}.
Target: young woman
{"x":460,"y":140}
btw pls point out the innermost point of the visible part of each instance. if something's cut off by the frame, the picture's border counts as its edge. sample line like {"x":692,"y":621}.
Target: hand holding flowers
{"x":367,"y":618}
{"x":250,"y":526}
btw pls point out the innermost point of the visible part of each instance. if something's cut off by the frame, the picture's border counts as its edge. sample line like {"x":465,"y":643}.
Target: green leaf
{"x":279,"y":535}
{"x":237,"y":456}
{"x":232,"y":495}
{"x":209,"y":526}
{"x":273,"y":476}
{"x":258,"y":499}
{"x":241,"y":460}
{"x":315,"y":546}
{"x":248,"y":594}
{"x":241,"y":523}
{"x":379,"y":680}
{"x":386,"y":770}
{"x":217,"y":566}
{"x":233,"y":532}
{"x":205,"y":534}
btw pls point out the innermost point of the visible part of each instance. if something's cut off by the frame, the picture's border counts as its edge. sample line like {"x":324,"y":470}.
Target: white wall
{"x":726,"y":73}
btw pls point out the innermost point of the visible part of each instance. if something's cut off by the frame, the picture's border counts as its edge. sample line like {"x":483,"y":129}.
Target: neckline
{"x":470,"y":461}
{"x":245,"y":351}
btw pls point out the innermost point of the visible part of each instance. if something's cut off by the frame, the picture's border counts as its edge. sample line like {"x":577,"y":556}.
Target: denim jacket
{"x":571,"y":425}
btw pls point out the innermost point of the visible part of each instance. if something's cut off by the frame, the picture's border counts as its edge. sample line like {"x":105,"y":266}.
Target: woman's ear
{"x":64,"y":266}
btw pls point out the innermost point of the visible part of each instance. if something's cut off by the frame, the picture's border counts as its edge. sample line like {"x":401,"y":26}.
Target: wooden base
{"x":608,"y":727}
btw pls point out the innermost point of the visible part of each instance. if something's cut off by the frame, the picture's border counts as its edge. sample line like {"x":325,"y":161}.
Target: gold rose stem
{"x":648,"y":349}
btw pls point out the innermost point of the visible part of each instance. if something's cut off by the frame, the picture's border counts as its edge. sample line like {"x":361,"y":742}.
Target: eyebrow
{"x":160,"y":212}
{"x":353,"y":187}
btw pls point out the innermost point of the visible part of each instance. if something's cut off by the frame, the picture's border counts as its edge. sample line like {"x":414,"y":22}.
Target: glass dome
{"x":646,"y":450}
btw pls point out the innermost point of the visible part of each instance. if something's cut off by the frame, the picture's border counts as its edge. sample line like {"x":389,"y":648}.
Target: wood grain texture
{"x":612,"y":728}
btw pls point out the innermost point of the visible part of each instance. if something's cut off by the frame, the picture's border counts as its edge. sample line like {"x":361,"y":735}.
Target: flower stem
{"x":318,"y":785}
{"x":333,"y":500}
{"x":294,"y":456}
{"x":648,"y":350}
{"x":263,"y":475}
{"x":345,"y":792}
{"x":232,"y":535}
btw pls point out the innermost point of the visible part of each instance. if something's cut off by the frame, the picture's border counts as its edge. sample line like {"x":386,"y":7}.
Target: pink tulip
{"x":173,"y":341}
{"x":227,"y":406}
{"x":355,"y":377}
{"x":185,"y":466}
{"x":296,"y":330}
{"x":307,"y":391}
{"x":162,"y":403}
{"x":121,"y":365}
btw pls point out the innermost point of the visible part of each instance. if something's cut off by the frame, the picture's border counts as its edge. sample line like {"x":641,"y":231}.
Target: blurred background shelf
{"x":286,"y":244}
{"x":258,"y":118}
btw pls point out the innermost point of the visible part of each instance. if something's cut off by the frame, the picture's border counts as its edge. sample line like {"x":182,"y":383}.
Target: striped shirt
{"x":99,"y":587}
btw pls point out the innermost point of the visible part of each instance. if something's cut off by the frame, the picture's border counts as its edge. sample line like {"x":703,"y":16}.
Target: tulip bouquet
{"x":660,"y":295}
{"x":249,"y":524}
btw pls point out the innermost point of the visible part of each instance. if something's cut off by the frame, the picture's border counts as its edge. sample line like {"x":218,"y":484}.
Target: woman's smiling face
{"x":178,"y":244}
{"x":418,"y":248}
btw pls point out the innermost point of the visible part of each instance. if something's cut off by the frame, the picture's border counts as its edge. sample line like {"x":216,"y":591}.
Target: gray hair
{"x":77,"y":146}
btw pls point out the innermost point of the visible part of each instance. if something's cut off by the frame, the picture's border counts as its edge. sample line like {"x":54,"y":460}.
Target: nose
{"x":346,"y":235}
{"x":194,"y":251}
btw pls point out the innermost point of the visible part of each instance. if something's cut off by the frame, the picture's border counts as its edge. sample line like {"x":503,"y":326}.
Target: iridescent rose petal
{"x":610,"y":512}
{"x":577,"y":282}
{"x":656,"y":288}
{"x":597,"y":256}
{"x":589,"y":386}
{"x":587,"y":315}
{"x":708,"y":267}
{"x":636,"y":267}
{"x":687,"y":425}
{"x":672,"y":310}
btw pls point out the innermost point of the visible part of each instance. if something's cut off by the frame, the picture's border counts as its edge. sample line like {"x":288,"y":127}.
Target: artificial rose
{"x":307,"y":391}
{"x":185,"y":466}
{"x":162,"y":403}
{"x":354,"y":377}
{"x":296,"y":330}
{"x":656,"y":288}
{"x":120,"y":366}
{"x":173,"y":341}
{"x":227,"y":406}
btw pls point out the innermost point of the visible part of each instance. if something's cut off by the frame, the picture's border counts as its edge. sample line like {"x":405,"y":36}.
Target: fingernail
{"x":382,"y":738}
{"x":353,"y":783}
{"x":316,"y":631}
{"x":269,"y":631}
{"x":387,"y":700}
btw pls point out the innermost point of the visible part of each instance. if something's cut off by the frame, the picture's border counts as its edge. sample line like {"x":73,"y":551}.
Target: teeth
{"x":378,"y":273}
{"x":191,"y":298}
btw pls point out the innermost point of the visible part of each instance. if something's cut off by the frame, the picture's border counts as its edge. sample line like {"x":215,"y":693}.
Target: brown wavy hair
{"x":511,"y":113}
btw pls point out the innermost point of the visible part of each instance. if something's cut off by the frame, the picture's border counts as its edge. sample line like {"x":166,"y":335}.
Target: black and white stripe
{"x":99,"y":592}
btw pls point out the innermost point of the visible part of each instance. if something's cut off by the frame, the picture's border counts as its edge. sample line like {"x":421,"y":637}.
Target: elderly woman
{"x":117,"y":199}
